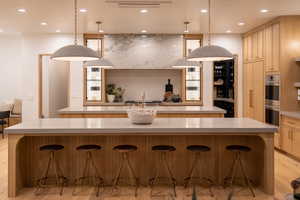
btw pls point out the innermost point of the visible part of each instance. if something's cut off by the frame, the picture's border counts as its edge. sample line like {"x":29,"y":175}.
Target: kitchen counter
{"x":25,"y":139}
{"x":293,"y":114}
{"x":122,"y":126}
{"x":120,"y":111}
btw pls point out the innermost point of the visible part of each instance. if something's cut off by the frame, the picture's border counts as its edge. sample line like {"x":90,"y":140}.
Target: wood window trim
{"x":103,"y":87}
{"x":88,"y":36}
{"x":192,"y":102}
{"x":86,"y":102}
{"x":187,"y":37}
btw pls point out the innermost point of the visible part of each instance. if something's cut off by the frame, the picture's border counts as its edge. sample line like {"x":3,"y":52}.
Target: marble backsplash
{"x":136,"y":51}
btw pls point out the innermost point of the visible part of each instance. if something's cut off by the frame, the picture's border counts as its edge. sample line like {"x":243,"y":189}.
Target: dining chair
{"x":4,"y":120}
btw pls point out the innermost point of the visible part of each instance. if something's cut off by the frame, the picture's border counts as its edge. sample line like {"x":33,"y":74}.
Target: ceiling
{"x":167,"y":18}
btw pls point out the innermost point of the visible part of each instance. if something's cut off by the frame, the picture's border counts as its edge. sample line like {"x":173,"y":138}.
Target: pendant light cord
{"x":76,"y":22}
{"x":209,"y":22}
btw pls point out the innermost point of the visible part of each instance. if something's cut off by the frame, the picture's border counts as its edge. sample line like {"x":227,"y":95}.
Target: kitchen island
{"x":120,"y":111}
{"x":26,"y":162}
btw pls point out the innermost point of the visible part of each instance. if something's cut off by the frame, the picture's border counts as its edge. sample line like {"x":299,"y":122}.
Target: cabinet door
{"x":286,"y":135}
{"x":258,"y":91}
{"x":248,"y":91}
{"x":260,"y":39}
{"x":268,"y":48}
{"x":250,"y":48}
{"x":296,"y":142}
{"x":275,"y":47}
{"x":255,"y":45}
{"x":277,"y":141}
{"x":245,"y":54}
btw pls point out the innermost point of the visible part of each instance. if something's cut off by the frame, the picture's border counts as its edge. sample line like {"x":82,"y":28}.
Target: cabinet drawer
{"x":290,"y":121}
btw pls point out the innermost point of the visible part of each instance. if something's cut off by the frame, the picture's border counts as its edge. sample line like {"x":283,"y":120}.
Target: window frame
{"x":187,"y":37}
{"x":87,"y":102}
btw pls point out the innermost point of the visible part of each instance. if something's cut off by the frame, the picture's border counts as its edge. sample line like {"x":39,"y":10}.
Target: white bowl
{"x":141,"y":116}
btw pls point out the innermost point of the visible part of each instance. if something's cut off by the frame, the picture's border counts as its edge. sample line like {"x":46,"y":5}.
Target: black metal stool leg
{"x":188,"y":179}
{"x":246,"y":177}
{"x":171,"y":177}
{"x":96,"y":180}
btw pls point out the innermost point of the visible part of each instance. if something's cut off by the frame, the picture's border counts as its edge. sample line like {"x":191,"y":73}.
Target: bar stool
{"x":90,"y":164}
{"x":125,"y":150}
{"x":197,"y":150}
{"x":59,"y":178}
{"x":163,"y":150}
{"x":237,"y":162}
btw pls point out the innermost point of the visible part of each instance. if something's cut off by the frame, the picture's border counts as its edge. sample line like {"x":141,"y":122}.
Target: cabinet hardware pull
{"x":251,"y":98}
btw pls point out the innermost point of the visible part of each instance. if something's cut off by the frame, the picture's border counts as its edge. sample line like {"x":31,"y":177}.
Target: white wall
{"x":152,"y":82}
{"x":10,"y":67}
{"x":25,"y":66}
{"x":233,"y":43}
{"x":35,"y":44}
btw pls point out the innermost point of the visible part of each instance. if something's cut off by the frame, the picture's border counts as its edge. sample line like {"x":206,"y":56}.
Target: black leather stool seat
{"x":163,"y":148}
{"x":201,"y":148}
{"x":88,"y":147}
{"x":238,"y":148}
{"x":51,"y":147}
{"x":125,"y":147}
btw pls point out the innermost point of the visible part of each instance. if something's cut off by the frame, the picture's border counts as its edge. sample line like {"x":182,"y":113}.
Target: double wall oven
{"x":272,"y":99}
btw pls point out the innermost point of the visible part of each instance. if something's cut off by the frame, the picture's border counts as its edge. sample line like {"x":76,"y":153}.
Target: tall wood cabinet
{"x":261,"y":56}
{"x":253,"y":92}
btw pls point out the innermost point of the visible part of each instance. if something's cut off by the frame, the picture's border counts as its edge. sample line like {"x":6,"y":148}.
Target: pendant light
{"x":101,"y":62}
{"x":210,"y":52}
{"x":75,"y":52}
{"x":183,"y":62}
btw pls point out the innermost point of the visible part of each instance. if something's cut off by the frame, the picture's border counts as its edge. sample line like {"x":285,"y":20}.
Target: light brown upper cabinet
{"x":253,"y":92}
{"x":272,"y":39}
{"x":253,"y":46}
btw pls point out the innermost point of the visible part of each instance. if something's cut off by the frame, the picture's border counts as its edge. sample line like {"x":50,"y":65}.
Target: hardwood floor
{"x":286,"y":169}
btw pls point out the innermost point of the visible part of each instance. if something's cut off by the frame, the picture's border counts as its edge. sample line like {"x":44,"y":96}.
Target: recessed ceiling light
{"x":144,"y":31}
{"x":21,"y":10}
{"x":83,"y":10}
{"x":143,"y":11}
{"x":228,"y":31}
{"x":58,"y":31}
{"x":44,"y":24}
{"x":264,"y":10}
{"x":204,"y":11}
{"x":241,"y":23}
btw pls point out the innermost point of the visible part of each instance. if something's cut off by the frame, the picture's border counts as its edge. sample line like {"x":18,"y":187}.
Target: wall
{"x":150,"y":81}
{"x":29,"y":46}
{"x":10,"y":67}
{"x":143,"y":51}
{"x":33,"y":45}
{"x":233,"y":43}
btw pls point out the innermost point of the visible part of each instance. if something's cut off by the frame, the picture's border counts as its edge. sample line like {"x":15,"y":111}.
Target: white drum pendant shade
{"x":183,"y":63}
{"x":102,"y":62}
{"x":75,"y":53}
{"x":210,"y":53}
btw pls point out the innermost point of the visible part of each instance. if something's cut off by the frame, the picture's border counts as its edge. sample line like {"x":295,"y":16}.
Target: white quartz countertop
{"x":294,"y":114}
{"x":122,"y":126}
{"x":123,"y":109}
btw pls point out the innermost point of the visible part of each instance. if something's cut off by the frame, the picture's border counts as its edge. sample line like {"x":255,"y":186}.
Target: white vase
{"x":110,"y":98}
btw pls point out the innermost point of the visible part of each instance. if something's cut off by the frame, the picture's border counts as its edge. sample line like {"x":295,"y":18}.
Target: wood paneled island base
{"x":27,"y":163}
{"x":31,"y":163}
